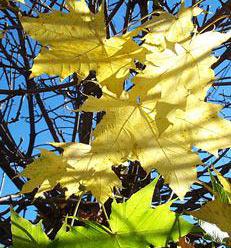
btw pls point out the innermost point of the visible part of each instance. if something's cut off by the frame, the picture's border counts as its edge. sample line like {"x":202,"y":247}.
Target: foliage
{"x":146,"y":87}
{"x":131,"y":225}
{"x":172,"y":124}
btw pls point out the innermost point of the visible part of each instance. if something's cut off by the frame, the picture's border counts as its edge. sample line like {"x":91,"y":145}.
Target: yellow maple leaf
{"x":131,"y":126}
{"x":187,"y":66}
{"x":153,"y":123}
{"x":200,"y":125}
{"x":78,"y":170}
{"x":91,"y":168}
{"x":48,"y":167}
{"x":77,"y":43}
{"x":164,"y":26}
{"x":159,"y":134}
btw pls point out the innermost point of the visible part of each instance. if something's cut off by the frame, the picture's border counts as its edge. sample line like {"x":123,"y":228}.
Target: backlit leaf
{"x":133,"y":224}
{"x":27,"y":235}
{"x":77,"y":43}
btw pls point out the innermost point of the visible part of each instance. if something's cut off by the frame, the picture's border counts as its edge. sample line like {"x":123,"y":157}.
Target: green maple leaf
{"x":133,"y":224}
{"x":27,"y":235}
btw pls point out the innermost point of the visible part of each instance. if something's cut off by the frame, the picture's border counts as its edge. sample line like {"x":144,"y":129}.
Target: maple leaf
{"x":78,"y":170}
{"x":131,"y":126}
{"x":133,"y":224}
{"x":159,"y":134}
{"x":149,"y":226}
{"x":186,"y":65}
{"x":48,"y":169}
{"x":92,"y":169}
{"x":164,"y":26}
{"x":25,"y":234}
{"x":77,"y":43}
{"x":200,"y":125}
{"x":144,"y":226}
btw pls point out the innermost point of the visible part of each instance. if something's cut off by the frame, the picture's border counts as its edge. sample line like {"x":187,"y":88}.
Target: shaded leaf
{"x":215,"y":212}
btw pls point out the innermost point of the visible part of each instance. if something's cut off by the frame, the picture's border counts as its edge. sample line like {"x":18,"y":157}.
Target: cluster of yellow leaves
{"x":159,"y":120}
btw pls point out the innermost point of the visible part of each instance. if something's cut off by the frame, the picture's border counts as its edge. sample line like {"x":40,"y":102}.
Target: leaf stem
{"x":76,"y":209}
{"x":105,"y":212}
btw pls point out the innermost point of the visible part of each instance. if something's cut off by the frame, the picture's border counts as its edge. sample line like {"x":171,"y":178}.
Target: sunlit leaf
{"x":133,"y":224}
{"x":131,"y":126}
{"x":165,"y":27}
{"x":186,"y":67}
{"x":77,"y":43}
{"x":25,"y":234}
{"x":48,"y":168}
{"x":79,"y":169}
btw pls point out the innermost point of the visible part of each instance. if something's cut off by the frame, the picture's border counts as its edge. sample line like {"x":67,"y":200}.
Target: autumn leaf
{"x":187,"y":66}
{"x":165,"y":27}
{"x":152,"y":123}
{"x":47,"y":170}
{"x":78,"y":170}
{"x":200,"y":125}
{"x":130,"y":124}
{"x":77,"y":43}
{"x":92,"y":169}
{"x":167,"y":134}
